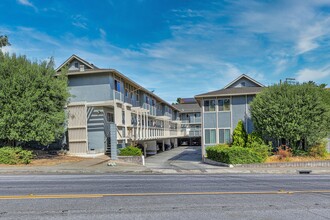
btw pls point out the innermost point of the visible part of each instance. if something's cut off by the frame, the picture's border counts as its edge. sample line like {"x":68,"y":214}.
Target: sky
{"x":178,"y":48}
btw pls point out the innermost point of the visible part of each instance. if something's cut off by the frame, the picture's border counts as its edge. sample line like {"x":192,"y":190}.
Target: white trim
{"x":77,"y":58}
{"x":243,"y":76}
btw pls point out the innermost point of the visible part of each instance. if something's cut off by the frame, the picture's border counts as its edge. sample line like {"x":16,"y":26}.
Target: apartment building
{"x":222,"y":109}
{"x":108,"y":111}
{"x":190,"y":117}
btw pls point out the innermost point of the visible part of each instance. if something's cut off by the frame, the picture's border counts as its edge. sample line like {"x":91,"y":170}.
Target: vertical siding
{"x":238,"y":110}
{"x":95,"y":128}
{"x":210,"y":120}
{"x":250,"y":127}
{"x":77,"y":135}
{"x":224,"y":119}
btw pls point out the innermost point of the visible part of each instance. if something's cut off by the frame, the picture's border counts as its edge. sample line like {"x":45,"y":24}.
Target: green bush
{"x":239,"y":135}
{"x":130,"y":151}
{"x":319,"y":150}
{"x":234,"y":155}
{"x":15,"y":155}
{"x":253,"y":139}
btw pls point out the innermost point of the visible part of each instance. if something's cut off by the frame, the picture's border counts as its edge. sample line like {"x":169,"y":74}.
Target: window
{"x":210,"y":136}
{"x":147,"y":99}
{"x":224,"y":136}
{"x":117,"y":85}
{"x":123,"y":117}
{"x":110,"y":117}
{"x":224,"y":104}
{"x":76,"y":64}
{"x":153,"y":102}
{"x":137,"y":97}
{"x":209,"y":105}
{"x":242,"y":84}
{"x":126,"y":93}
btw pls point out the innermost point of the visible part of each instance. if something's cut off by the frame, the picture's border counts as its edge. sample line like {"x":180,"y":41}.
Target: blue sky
{"x":177,"y":48}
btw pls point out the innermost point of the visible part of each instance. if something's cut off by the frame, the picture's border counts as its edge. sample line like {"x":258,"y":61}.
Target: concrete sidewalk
{"x":176,"y":161}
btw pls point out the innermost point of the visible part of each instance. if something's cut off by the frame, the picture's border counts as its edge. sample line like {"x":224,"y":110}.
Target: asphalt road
{"x":165,"y":197}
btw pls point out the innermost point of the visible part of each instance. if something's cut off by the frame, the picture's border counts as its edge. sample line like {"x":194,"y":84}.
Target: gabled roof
{"x":243,"y":76}
{"x":231,"y":92}
{"x":96,"y":70}
{"x":228,"y":91}
{"x":75,"y":57}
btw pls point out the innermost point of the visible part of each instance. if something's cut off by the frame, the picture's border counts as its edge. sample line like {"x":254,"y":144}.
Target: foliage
{"x":32,"y":100}
{"x":15,"y":155}
{"x":284,"y":152}
{"x":239,"y":135}
{"x":298,"y":114}
{"x":234,"y":155}
{"x":130,"y":151}
{"x":4,"y":41}
{"x":319,"y":150}
{"x":253,"y":139}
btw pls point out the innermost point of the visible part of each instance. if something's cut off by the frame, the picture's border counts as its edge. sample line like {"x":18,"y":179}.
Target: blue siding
{"x":238,"y":109}
{"x":210,"y":120}
{"x":224,"y":119}
{"x":250,"y":127}
{"x":90,"y":88}
{"x":247,"y":82}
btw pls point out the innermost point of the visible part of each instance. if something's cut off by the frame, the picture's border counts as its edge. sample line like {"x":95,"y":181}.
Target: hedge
{"x":234,"y":155}
{"x":15,"y":155}
{"x":130,"y":151}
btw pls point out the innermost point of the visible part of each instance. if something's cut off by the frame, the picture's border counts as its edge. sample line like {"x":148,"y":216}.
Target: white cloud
{"x":79,"y":21}
{"x":308,"y":74}
{"x":27,"y":3}
{"x":103,"y":33}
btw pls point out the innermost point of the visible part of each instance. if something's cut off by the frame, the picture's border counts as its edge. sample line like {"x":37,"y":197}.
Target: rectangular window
{"x":224,"y":105}
{"x":137,"y":97}
{"x":147,"y":99}
{"x":110,"y":117}
{"x":126,"y":93}
{"x":209,"y":105}
{"x":117,"y":85}
{"x":224,"y":136}
{"x":123,"y":117}
{"x":210,"y":136}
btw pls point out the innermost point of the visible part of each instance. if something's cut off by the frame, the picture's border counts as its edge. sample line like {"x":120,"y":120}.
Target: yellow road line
{"x":79,"y":196}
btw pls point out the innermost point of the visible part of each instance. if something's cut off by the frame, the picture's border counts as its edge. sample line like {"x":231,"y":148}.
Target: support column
{"x":163,"y":146}
{"x":145,"y":149}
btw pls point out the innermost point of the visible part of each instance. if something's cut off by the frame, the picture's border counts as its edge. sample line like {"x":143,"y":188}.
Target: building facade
{"x":222,"y":109}
{"x":108,"y":111}
{"x":190,"y":117}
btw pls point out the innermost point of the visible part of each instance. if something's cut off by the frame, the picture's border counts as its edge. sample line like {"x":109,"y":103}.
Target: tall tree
{"x":239,"y":135}
{"x":297,"y":114}
{"x":4,"y":41}
{"x":32,"y":100}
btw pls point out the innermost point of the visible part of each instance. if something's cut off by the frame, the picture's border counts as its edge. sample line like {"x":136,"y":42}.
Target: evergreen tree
{"x":32,"y":100}
{"x":239,"y":135}
{"x":297,"y":114}
{"x":4,"y":41}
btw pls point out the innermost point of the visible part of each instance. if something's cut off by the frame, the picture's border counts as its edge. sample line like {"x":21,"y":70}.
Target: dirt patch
{"x":276,"y":159}
{"x":46,"y":158}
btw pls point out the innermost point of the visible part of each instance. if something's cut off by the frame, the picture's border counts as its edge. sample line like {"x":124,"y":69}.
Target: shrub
{"x":239,"y":135}
{"x":130,"y":151}
{"x":284,"y":152}
{"x":234,"y":155}
{"x":319,"y":150}
{"x":15,"y":155}
{"x":253,"y":139}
